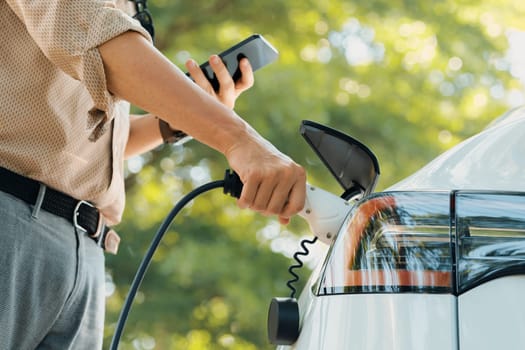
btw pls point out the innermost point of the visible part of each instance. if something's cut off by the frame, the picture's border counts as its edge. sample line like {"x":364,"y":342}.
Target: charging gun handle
{"x":324,"y":211}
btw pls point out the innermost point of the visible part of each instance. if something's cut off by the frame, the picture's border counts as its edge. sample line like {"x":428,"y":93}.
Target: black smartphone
{"x":258,"y":51}
{"x":256,"y":48}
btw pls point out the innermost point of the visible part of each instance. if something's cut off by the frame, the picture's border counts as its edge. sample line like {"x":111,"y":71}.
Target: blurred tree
{"x":408,"y":78}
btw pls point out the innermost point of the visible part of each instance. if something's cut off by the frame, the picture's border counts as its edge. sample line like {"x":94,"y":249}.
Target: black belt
{"x":82,"y":214}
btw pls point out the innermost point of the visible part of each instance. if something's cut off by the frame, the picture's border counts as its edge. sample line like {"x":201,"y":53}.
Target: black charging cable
{"x":231,"y":185}
{"x":297,"y":256}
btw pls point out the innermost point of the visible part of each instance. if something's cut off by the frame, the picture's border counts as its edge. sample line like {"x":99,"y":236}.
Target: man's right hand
{"x":273,"y":184}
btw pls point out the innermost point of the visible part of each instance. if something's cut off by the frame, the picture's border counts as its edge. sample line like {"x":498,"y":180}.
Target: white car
{"x":435,"y":262}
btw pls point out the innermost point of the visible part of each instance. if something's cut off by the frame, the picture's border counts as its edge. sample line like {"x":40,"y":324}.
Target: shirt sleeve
{"x":69,"y":32}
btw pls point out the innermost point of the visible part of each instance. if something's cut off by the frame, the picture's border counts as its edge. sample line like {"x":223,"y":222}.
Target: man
{"x":67,"y":69}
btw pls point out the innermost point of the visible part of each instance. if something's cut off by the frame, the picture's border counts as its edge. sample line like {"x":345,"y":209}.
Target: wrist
{"x":248,"y":145}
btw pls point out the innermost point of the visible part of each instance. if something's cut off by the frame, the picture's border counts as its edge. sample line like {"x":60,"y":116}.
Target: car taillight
{"x":393,"y":242}
{"x":490,"y":235}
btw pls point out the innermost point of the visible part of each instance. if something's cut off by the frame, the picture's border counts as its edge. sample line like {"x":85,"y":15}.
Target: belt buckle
{"x":100,"y":223}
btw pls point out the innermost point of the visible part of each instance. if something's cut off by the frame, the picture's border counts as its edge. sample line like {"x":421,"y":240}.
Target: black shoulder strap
{"x":144,"y":16}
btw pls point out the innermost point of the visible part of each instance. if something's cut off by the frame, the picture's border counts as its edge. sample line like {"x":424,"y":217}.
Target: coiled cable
{"x":296,"y":256}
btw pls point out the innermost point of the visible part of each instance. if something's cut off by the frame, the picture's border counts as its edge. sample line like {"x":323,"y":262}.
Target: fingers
{"x":259,"y":192}
{"x":198,"y":75}
{"x":296,"y":198}
{"x":223,"y":76}
{"x":228,"y":89}
{"x":249,"y":192}
{"x":282,"y":195}
{"x":226,"y":83}
{"x":247,"y":79}
{"x":279,"y":196}
{"x":283,"y":220}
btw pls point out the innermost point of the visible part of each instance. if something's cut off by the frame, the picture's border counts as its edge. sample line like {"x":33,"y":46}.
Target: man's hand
{"x":229,"y":90}
{"x":273,"y":184}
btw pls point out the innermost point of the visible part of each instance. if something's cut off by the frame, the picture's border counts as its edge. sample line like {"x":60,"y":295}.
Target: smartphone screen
{"x":256,"y":48}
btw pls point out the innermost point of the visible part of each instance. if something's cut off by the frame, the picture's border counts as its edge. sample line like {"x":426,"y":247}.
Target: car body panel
{"x":492,"y":315}
{"x":385,"y":321}
{"x":494,"y":159}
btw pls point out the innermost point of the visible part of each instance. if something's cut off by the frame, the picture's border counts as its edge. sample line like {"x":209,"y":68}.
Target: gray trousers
{"x":52,"y":281}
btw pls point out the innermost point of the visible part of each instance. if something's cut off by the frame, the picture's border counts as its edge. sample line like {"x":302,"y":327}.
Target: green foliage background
{"x":408,"y":78}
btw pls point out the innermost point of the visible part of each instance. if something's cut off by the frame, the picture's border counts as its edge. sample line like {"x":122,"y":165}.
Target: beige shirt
{"x":58,"y":123}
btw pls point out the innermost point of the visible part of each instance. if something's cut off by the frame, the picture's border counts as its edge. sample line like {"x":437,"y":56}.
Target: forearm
{"x":144,"y":135}
{"x":138,"y":73}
